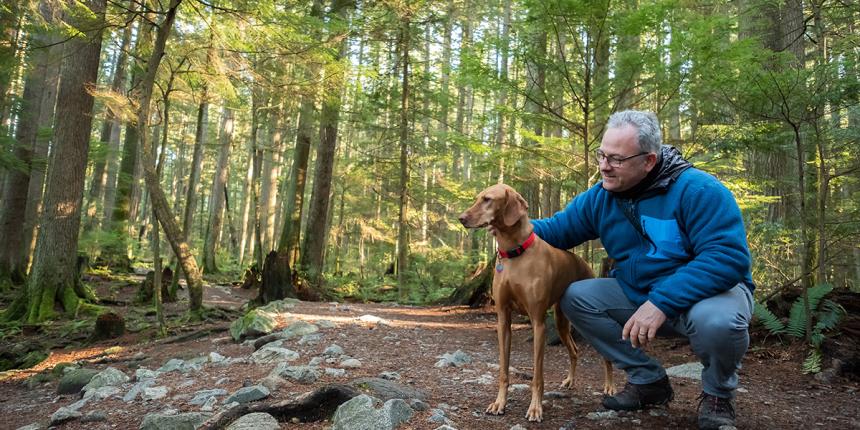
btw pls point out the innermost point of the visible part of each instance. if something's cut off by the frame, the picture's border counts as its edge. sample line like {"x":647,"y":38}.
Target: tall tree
{"x":318,"y":213}
{"x":31,"y":149}
{"x":160,"y":205}
{"x":218,"y":195}
{"x":403,"y":206}
{"x":54,"y":275}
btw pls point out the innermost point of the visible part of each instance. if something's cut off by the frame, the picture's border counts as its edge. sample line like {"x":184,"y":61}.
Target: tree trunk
{"x":216,"y":196}
{"x":55,"y":274}
{"x":103,"y":166}
{"x":117,"y":252}
{"x":402,"y":217}
{"x":316,"y":233}
{"x":159,"y":202}
{"x":270,"y":171}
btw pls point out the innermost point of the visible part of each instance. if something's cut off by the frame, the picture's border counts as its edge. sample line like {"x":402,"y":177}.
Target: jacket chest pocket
{"x":667,"y":240}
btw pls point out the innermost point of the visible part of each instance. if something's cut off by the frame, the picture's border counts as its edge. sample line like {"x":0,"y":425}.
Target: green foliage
{"x":798,"y":316}
{"x":812,"y":363}
{"x":826,"y":315}
{"x":768,"y":319}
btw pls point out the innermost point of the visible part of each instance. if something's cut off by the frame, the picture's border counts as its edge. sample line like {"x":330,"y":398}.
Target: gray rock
{"x":143,"y":373}
{"x":137,"y":389}
{"x":271,"y":354}
{"x":64,"y":414}
{"x":94,"y":416}
{"x":200,"y":397}
{"x":445,"y":427}
{"x":326,"y":324}
{"x":310,"y":339}
{"x":350,"y":363}
{"x":456,"y":359}
{"x":248,"y":394}
{"x":34,"y":426}
{"x":215,"y":357}
{"x":372,"y":319}
{"x":333,"y":350}
{"x":387,"y":390}
{"x":316,"y":361}
{"x":172,"y":365}
{"x":438,"y":416}
{"x":300,"y":374}
{"x":101,"y":393}
{"x":255,"y":421}
{"x":727,"y":427}
{"x":688,"y":370}
{"x":210,"y":404}
{"x":517,"y":427}
{"x":154,"y":393}
{"x":299,"y":328}
{"x":272,"y":382}
{"x":364,"y":412}
{"x":418,"y":405}
{"x":185,"y":421}
{"x":337,"y":373}
{"x":391,"y":376}
{"x":519,"y":387}
{"x":602,"y":415}
{"x":75,"y":379}
{"x":280,"y":306}
{"x":255,"y":323}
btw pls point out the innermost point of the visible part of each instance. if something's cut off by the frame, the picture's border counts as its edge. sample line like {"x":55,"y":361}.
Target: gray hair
{"x":650,"y":139}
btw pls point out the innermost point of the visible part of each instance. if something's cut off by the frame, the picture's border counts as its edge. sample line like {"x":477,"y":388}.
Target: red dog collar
{"x":520,"y":249}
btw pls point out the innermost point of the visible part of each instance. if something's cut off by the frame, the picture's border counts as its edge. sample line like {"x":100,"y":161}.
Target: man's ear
{"x":515,"y":208}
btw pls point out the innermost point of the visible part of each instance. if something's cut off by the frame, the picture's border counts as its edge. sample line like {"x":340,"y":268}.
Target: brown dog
{"x":530,"y":276}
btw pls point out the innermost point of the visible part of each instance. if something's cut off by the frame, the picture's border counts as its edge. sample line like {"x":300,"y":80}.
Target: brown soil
{"x":776,"y":394}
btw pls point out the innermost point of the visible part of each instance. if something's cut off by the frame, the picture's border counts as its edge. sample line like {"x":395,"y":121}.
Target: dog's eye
{"x":487,"y":199}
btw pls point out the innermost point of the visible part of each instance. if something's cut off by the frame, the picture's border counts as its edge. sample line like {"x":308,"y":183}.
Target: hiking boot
{"x":715,"y":412}
{"x":640,"y":396}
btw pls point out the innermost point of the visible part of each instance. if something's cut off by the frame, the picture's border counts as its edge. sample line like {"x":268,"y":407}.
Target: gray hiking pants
{"x":717,"y":329}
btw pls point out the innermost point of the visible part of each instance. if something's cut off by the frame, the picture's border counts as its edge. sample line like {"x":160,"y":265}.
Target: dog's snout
{"x":463,"y":219}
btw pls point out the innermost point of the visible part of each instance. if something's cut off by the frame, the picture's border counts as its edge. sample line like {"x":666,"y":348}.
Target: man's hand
{"x":642,"y":327}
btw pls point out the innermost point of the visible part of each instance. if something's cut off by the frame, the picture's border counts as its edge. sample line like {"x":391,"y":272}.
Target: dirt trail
{"x":775,"y":394}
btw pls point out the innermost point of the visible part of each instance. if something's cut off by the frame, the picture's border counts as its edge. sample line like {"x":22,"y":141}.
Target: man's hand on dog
{"x":642,"y":327}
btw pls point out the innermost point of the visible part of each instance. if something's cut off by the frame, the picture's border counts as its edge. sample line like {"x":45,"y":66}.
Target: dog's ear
{"x":515,"y":208}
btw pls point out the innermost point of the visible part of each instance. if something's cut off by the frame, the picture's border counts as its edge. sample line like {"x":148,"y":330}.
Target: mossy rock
{"x":255,"y":323}
{"x":73,"y":381}
{"x":60,"y":368}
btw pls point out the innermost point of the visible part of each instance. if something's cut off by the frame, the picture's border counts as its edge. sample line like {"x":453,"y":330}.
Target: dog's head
{"x":498,"y":205}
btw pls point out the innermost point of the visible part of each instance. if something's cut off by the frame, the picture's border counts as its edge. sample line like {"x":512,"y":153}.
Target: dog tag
{"x":499,"y":267}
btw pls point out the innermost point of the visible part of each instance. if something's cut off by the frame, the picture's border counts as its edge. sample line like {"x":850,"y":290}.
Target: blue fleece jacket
{"x":696,"y":246}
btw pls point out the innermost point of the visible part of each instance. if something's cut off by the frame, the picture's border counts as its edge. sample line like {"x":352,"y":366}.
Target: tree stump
{"x":145,"y":292}
{"x":252,"y":278}
{"x":109,"y":325}
{"x":476,"y":291}
{"x":277,"y":279}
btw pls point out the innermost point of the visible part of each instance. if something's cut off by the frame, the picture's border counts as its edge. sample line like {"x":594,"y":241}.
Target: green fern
{"x":797,"y":316}
{"x":770,"y":321}
{"x":829,"y":315}
{"x":812,"y":364}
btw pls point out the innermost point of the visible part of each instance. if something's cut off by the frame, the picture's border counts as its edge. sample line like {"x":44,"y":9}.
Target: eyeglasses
{"x":614,"y":160}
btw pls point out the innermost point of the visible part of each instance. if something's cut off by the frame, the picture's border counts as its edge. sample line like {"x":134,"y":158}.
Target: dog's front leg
{"x":503,"y":330}
{"x":535,"y":412}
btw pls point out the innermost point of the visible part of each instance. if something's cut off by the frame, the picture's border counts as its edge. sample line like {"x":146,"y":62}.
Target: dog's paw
{"x":535,"y":413}
{"x":608,"y":389}
{"x":567,"y":383}
{"x":496,"y":408}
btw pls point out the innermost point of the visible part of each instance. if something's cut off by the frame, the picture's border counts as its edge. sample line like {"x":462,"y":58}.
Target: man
{"x":682,"y":265}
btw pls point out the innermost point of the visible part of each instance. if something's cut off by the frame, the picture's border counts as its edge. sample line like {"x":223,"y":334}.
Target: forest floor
{"x":775,"y":394}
